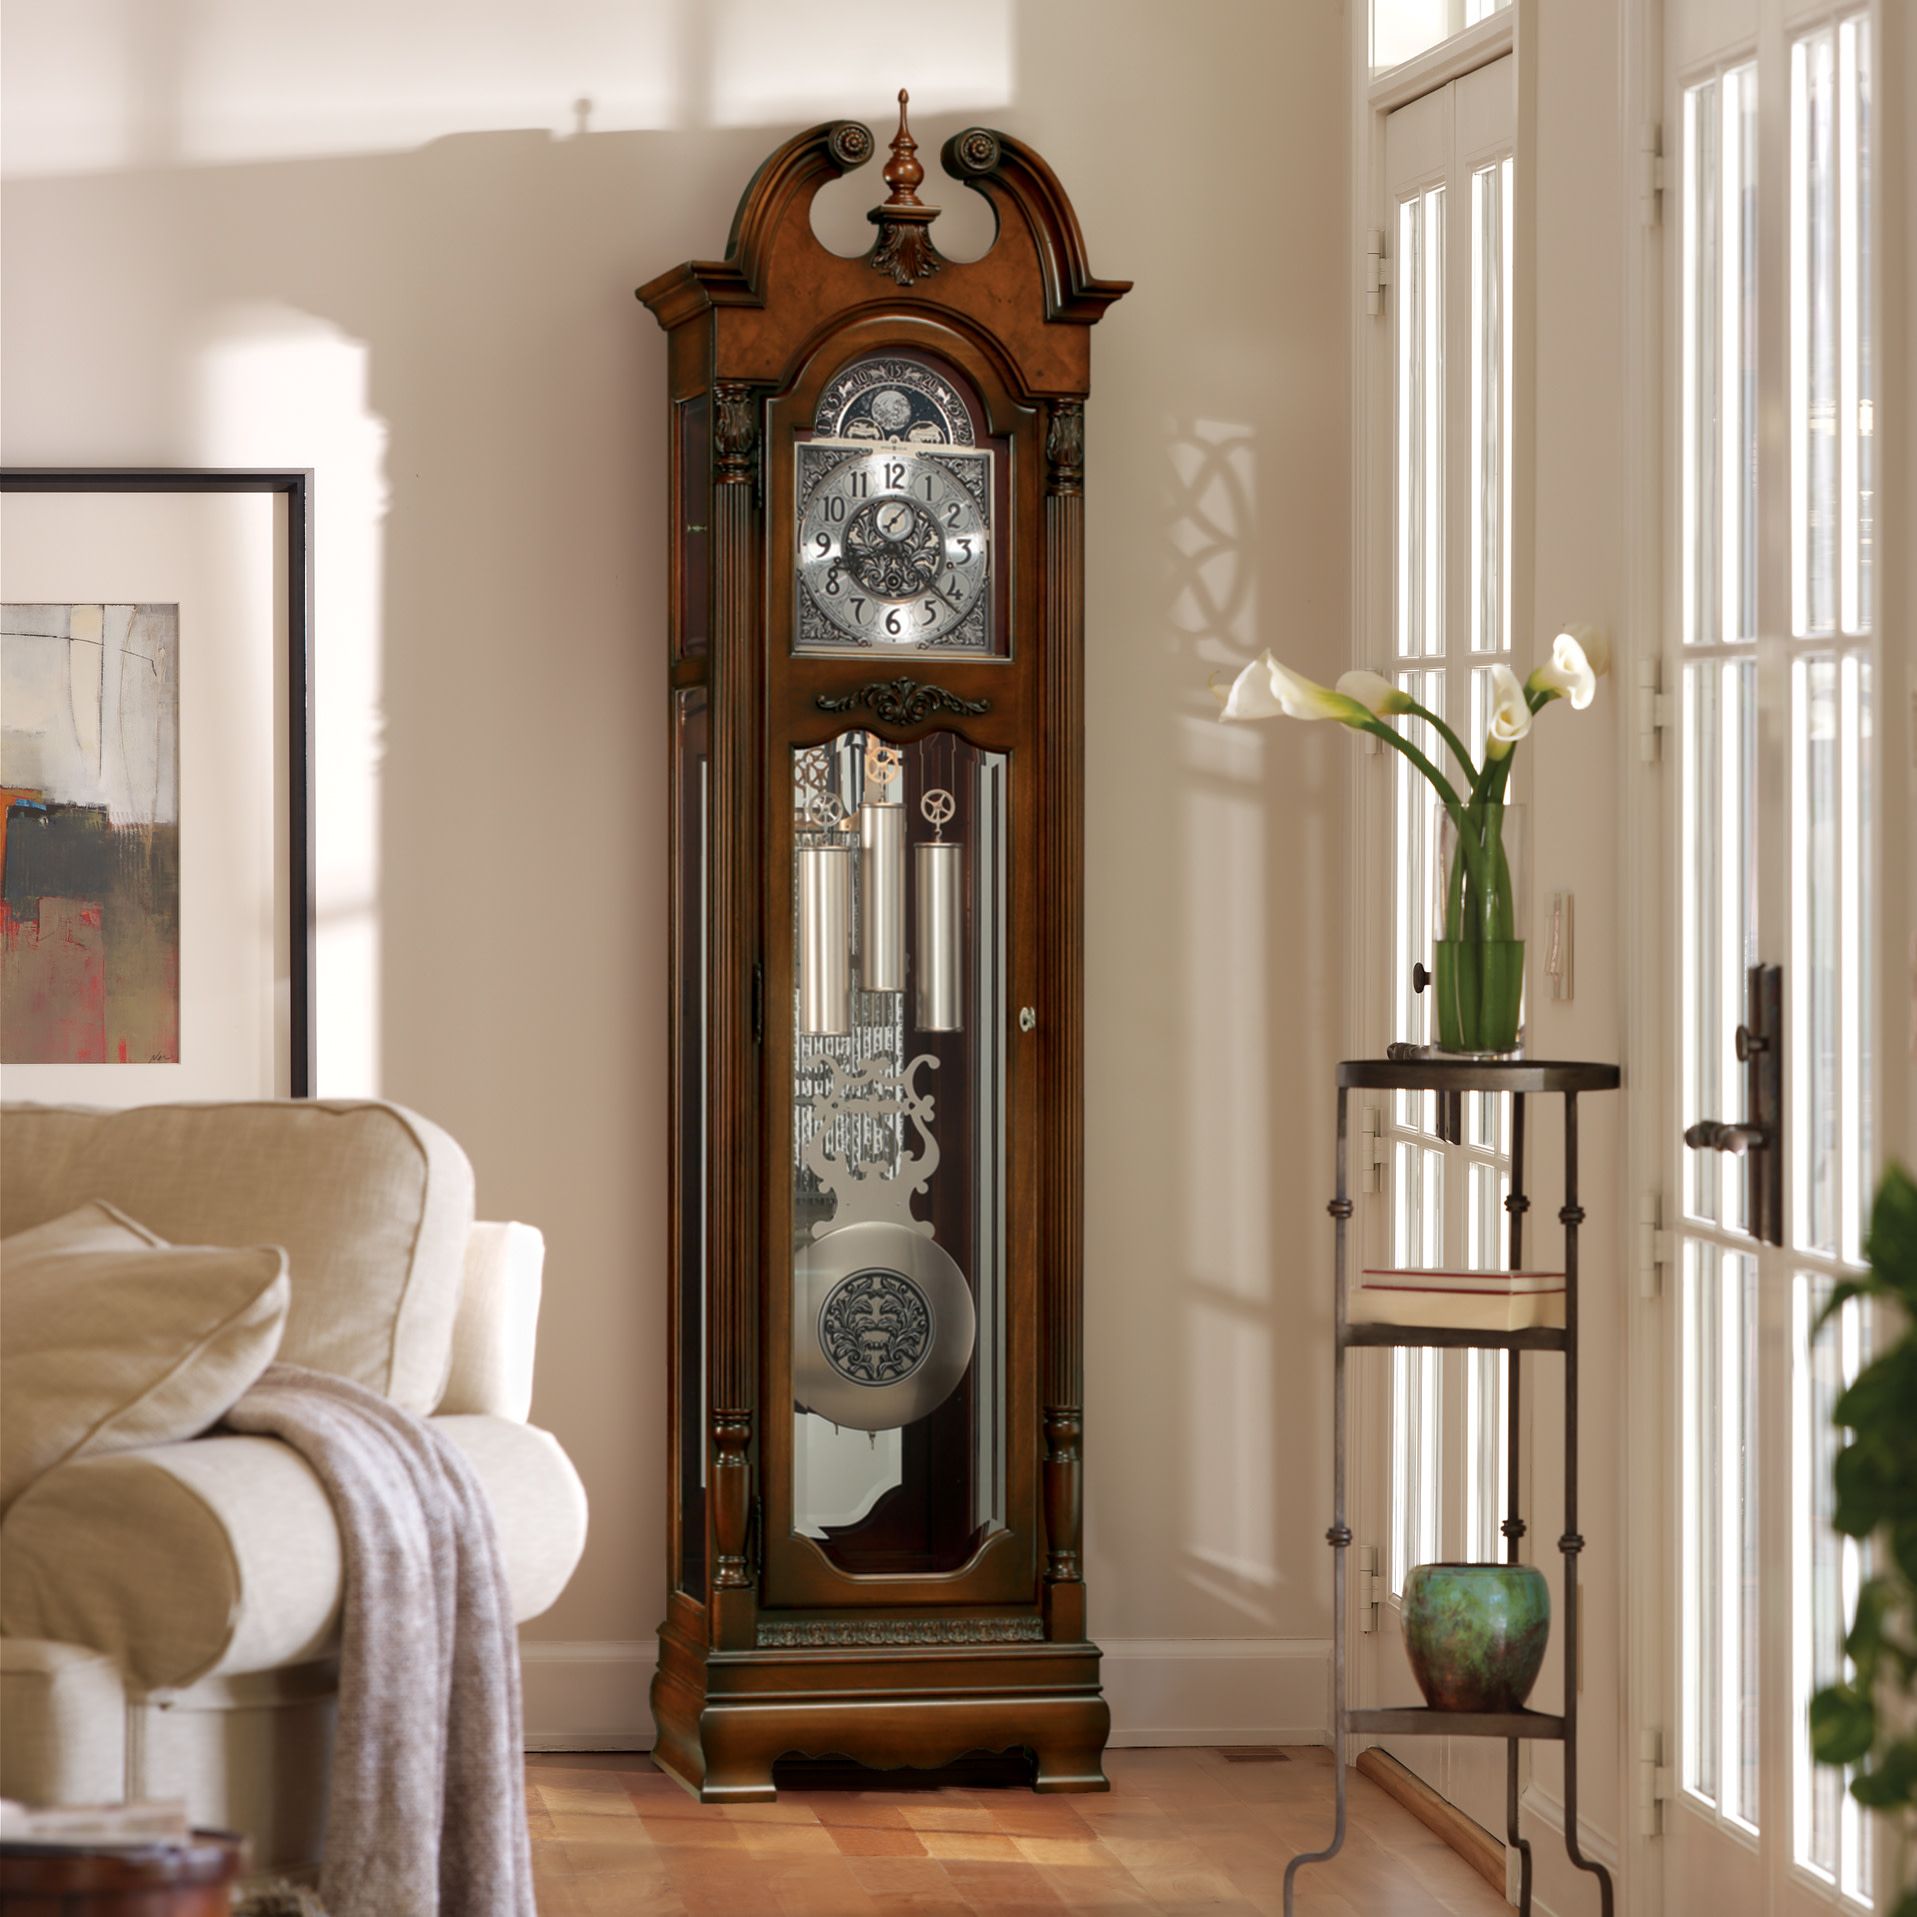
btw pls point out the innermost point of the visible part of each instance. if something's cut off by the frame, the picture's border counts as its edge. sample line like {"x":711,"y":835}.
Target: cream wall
{"x":398,"y":244}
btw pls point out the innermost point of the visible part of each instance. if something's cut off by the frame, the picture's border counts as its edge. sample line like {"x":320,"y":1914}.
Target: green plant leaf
{"x":1841,"y":1294}
{"x":1843,"y":1724}
{"x":1891,"y":1780}
{"x":1877,"y":1396}
{"x":1874,"y":1483}
{"x":1892,"y":1245}
{"x":1906,"y":1905}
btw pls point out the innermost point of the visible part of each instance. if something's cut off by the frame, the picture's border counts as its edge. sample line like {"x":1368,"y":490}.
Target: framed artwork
{"x":156,"y":817}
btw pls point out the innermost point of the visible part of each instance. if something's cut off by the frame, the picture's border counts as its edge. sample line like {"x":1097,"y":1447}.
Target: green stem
{"x":1450,"y":738}
{"x":1447,"y":795}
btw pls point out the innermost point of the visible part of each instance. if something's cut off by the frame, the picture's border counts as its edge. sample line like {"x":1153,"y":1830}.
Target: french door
{"x":1771,"y":124}
{"x":1438,"y":1491}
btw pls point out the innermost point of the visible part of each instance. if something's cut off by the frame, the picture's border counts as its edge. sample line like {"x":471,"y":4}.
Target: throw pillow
{"x":110,"y":1338}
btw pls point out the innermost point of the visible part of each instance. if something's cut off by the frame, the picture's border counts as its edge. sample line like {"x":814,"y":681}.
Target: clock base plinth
{"x":724,"y":1718}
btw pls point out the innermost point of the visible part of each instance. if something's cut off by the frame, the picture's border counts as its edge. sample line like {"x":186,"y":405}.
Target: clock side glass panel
{"x":898,"y":1085}
{"x":691,"y":779}
{"x":895,"y":504}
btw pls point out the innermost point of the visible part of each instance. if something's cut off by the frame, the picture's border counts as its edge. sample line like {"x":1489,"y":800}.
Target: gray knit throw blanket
{"x":427,"y":1816}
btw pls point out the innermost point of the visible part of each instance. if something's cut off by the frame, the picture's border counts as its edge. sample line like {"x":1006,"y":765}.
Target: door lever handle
{"x":1713,"y":1135}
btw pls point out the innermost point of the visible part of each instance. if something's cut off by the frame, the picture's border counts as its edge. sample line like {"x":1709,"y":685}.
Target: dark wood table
{"x":194,"y":1879}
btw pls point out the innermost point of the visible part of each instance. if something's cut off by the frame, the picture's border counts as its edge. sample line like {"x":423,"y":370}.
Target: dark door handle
{"x":1420,"y":978}
{"x":1713,"y":1135}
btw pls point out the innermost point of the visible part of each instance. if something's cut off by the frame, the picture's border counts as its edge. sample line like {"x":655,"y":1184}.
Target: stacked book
{"x":1460,"y":1300}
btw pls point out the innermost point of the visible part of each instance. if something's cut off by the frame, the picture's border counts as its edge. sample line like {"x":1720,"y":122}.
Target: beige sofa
{"x":169,"y":1617}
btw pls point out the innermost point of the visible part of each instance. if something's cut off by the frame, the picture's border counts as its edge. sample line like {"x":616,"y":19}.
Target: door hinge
{"x":1649,"y":161}
{"x":1377,"y":271}
{"x":1370,"y":1592}
{"x":1656,"y":1248}
{"x":1653,"y":1784}
{"x":1373,"y":1149}
{"x":758,"y":1003}
{"x":1654,"y":712}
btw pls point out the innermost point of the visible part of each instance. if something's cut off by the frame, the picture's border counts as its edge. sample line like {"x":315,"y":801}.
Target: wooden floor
{"x":1182,"y":1830}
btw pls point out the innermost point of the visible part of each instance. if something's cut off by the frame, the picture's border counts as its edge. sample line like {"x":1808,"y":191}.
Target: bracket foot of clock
{"x":725,"y":1719}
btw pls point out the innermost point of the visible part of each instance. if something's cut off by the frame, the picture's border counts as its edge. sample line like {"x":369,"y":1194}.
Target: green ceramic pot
{"x":1476,"y":1633}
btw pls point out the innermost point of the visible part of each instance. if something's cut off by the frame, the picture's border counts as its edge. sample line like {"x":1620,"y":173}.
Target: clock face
{"x":894,"y":546}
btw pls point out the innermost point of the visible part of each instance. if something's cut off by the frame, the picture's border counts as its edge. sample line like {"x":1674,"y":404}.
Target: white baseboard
{"x":593,"y":1695}
{"x":585,"y":1695}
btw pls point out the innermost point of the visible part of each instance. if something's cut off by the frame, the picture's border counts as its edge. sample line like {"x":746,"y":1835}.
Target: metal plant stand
{"x":1520,"y":1078}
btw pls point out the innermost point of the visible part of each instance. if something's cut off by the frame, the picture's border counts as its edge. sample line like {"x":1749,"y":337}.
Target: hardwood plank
{"x":1460,"y":1833}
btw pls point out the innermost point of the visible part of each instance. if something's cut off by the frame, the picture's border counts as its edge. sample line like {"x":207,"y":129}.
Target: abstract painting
{"x":89,"y":834}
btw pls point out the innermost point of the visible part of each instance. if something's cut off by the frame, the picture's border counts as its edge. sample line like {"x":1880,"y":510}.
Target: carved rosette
{"x":1065,"y":445}
{"x":900,"y":702}
{"x":850,"y":143}
{"x":811,"y":1633}
{"x":976,"y":152}
{"x":735,"y":432}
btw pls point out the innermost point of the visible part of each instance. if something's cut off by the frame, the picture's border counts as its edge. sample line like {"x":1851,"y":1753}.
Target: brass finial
{"x":903,"y":173}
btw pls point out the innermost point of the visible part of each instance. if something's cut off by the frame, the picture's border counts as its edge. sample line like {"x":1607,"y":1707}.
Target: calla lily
{"x":1510,"y":713}
{"x":1375,"y":693}
{"x":1267,"y":690}
{"x":1569,"y":675}
{"x":1595,"y":643}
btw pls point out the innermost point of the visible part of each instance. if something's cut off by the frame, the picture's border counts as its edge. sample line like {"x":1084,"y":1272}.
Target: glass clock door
{"x":898,"y":1166}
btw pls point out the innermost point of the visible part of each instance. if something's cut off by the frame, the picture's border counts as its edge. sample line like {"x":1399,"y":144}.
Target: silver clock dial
{"x":894,"y":547}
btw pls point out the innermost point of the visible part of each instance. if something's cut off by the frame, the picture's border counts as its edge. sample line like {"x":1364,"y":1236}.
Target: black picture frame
{"x":295,"y":483}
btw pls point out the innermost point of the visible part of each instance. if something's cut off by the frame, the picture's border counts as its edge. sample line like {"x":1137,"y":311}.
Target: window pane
{"x":1700,"y":350}
{"x":1814,"y":334}
{"x":1830,"y":1836}
{"x":1830,"y":1071}
{"x":1720,"y":1569}
{"x":1420,"y":425}
{"x":1856,"y":443}
{"x":1490,"y":416}
{"x":1415,"y":877}
{"x":1718,"y":863}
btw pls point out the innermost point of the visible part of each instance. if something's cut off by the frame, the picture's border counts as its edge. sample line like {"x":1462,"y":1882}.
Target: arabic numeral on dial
{"x":952,"y":515}
{"x":834,"y":507}
{"x":894,"y":474}
{"x":861,"y":484}
{"x":824,"y":543}
{"x":965,"y":541}
{"x":858,"y":606}
{"x":832,"y":582}
{"x":928,"y":485}
{"x":931,"y":610}
{"x":892,"y":625}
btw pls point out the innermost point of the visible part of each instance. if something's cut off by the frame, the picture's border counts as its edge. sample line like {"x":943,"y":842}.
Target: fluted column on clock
{"x":731,"y":1219}
{"x":1062,"y":1026}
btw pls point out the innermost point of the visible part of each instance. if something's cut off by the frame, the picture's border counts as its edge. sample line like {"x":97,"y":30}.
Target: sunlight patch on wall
{"x":1212,"y":534}
{"x":1231,"y":1547}
{"x":274,"y":387}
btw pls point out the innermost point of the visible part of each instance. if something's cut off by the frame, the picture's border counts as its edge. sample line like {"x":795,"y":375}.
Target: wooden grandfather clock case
{"x":877,"y":655}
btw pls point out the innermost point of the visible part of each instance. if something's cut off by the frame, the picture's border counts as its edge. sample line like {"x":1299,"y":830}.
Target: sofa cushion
{"x":111,"y":1340}
{"x":222,"y":1556}
{"x":372,"y":1204}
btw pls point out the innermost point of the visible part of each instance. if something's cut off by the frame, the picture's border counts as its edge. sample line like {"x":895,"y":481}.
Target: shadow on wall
{"x":490,"y":632}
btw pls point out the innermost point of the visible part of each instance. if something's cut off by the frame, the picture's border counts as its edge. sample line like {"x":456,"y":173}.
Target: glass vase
{"x":1478,"y":976}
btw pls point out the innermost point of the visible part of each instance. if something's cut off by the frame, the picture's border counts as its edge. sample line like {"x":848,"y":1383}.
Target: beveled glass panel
{"x":691,"y":880}
{"x":899,"y":901}
{"x":693,"y":500}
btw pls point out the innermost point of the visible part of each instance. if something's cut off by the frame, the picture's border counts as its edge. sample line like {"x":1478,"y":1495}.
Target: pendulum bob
{"x":882,"y":896}
{"x":937,"y":966}
{"x":825,"y":940}
{"x":884,"y":1326}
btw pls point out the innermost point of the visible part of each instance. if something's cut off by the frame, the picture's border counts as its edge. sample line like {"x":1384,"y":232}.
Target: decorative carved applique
{"x":900,"y":702}
{"x":875,"y":1327}
{"x":735,"y":431}
{"x":931,"y":1630}
{"x":863,"y":1193}
{"x":905,"y":248}
{"x":1065,"y":445}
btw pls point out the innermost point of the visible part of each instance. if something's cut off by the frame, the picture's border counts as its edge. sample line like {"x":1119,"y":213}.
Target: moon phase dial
{"x":894,"y":547}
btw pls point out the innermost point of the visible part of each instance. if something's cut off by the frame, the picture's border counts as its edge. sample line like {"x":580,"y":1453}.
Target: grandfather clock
{"x":876,"y":666}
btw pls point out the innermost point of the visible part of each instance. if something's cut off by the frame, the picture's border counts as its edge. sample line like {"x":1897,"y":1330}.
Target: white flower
{"x":1510,"y":713}
{"x":1595,"y":643}
{"x":1267,"y":690}
{"x":1570,"y":674}
{"x":1375,"y":693}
